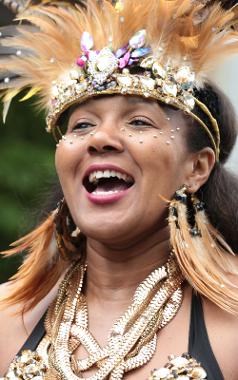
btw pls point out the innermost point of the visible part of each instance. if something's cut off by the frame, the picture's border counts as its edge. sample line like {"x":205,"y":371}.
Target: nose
{"x":105,"y":138}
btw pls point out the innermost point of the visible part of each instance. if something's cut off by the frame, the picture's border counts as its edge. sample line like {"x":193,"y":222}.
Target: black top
{"x":199,"y":345}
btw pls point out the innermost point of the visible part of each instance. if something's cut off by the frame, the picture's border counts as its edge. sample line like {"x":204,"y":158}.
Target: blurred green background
{"x":26,"y":169}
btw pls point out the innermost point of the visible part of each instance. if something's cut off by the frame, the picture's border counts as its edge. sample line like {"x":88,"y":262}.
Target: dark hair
{"x":220,"y":192}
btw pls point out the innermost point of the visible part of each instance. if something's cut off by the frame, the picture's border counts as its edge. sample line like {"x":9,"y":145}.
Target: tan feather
{"x":169,"y":23}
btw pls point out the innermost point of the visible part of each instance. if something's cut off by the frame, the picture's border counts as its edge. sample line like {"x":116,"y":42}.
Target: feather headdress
{"x":157,"y":49}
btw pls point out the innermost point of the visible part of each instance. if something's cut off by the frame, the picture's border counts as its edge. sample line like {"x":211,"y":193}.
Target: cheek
{"x":161,"y":161}
{"x":154,"y":148}
{"x":67,"y":159}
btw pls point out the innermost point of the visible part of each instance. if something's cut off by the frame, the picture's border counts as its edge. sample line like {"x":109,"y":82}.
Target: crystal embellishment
{"x":138,"y":40}
{"x":183,"y":367}
{"x":170,"y":88}
{"x":158,"y":70}
{"x":109,"y":71}
{"x":86,"y":42}
{"x":27,"y":366}
{"x":124,"y":80}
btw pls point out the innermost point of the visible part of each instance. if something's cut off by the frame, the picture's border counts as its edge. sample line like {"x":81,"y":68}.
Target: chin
{"x":107,"y":229}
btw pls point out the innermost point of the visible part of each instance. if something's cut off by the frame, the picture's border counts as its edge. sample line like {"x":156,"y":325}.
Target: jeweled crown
{"x":132,"y":69}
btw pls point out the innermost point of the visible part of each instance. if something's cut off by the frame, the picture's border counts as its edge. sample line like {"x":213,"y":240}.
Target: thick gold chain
{"x":132,"y":340}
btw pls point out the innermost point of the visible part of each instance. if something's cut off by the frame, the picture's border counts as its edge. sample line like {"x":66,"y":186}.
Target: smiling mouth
{"x":107,"y":182}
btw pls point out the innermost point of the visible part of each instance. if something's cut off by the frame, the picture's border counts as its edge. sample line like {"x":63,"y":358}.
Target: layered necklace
{"x":132,"y":340}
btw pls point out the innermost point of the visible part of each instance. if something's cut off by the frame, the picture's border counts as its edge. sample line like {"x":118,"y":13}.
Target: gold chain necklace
{"x":133,"y":338}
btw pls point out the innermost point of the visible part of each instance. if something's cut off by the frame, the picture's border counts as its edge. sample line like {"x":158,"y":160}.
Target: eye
{"x":81,"y":126}
{"x":140,"y":122}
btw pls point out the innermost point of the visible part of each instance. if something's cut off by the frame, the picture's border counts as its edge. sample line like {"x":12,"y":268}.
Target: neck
{"x":113,"y":274}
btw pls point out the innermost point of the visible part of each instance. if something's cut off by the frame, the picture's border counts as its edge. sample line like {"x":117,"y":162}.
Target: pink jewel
{"x":81,"y":61}
{"x":124,"y":60}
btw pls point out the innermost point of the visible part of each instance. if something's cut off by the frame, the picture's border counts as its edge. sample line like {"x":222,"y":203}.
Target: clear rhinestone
{"x":138,"y":40}
{"x":170,"y":88}
{"x":147,"y":83}
{"x":31,"y":369}
{"x":124,"y":81}
{"x":86,"y":41}
{"x":159,"y":81}
{"x":179,"y":361}
{"x":158,"y":70}
{"x":106,"y":61}
{"x":185,"y":77}
{"x":199,"y":373}
{"x":161,"y":373}
{"x":81,"y":87}
{"x":74,"y":74}
{"x":147,"y":63}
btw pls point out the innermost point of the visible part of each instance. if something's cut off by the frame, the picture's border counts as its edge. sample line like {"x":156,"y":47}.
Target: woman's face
{"x":121,"y":157}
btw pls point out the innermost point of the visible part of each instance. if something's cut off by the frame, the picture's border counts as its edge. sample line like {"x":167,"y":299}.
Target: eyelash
{"x":84,"y":124}
{"x":81,"y":126}
{"x":143,"y":122}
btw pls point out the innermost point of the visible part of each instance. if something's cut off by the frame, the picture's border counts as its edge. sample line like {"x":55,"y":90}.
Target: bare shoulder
{"x":16,"y":326}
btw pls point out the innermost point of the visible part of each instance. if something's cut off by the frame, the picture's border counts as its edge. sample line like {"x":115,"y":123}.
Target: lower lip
{"x":107,"y":198}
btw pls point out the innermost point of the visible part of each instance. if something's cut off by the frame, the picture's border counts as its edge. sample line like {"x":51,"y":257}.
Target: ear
{"x":202,"y":163}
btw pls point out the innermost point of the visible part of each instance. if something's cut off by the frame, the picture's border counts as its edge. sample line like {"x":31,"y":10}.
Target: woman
{"x":137,"y":262}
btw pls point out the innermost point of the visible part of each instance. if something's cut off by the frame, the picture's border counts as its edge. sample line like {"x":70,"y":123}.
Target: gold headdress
{"x":156,"y":49}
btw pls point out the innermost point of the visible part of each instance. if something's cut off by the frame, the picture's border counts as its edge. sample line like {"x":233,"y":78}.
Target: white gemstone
{"x":138,"y":40}
{"x":74,"y":74}
{"x":92,"y":55}
{"x":124,"y":80}
{"x":10,"y":376}
{"x":106,"y":61}
{"x":179,"y":361}
{"x":102,"y":63}
{"x":147,"y":63}
{"x":184,"y":75}
{"x":147,"y":83}
{"x":199,"y":373}
{"x":158,"y":70}
{"x":81,"y":87}
{"x":161,"y":373}
{"x":170,"y":88}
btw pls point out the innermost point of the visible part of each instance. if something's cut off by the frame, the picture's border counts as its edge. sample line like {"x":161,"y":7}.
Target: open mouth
{"x":106,"y":182}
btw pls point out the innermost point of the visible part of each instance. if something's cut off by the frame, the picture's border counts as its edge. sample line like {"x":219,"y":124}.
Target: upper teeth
{"x":98,"y":174}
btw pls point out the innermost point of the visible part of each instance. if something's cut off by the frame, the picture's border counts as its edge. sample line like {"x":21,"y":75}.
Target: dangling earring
{"x":205,"y":228}
{"x":200,"y":250}
{"x":69,"y":240}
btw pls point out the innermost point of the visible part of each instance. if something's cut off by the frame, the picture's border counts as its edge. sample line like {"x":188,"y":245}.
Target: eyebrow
{"x":134,"y":100}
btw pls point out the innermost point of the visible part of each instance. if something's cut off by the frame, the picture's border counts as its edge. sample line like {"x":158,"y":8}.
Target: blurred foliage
{"x":27,"y":165}
{"x":26,"y":169}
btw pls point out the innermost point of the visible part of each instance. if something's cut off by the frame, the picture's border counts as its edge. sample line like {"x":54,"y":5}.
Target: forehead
{"x":117,"y":103}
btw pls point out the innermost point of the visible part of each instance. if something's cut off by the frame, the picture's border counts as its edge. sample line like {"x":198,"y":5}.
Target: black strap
{"x":199,"y":344}
{"x":36,"y":336}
